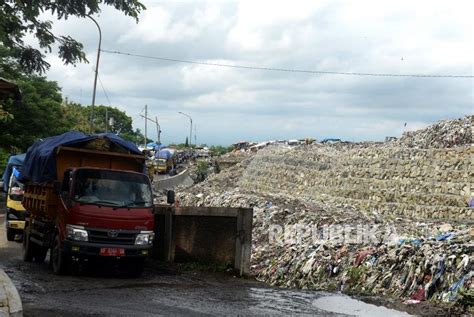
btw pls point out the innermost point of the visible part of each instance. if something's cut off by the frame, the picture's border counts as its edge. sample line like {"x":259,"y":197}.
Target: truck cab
{"x":162,"y":166}
{"x":105,"y":213}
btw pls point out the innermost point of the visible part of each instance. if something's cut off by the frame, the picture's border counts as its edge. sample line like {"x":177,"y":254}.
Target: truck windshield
{"x":111,"y":188}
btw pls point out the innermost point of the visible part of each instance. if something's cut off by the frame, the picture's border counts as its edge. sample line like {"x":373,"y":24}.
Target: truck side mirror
{"x":57,"y":187}
{"x":170,"y":197}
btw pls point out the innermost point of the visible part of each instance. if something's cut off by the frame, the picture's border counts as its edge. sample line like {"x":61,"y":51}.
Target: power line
{"x":286,"y":69}
{"x":105,"y":93}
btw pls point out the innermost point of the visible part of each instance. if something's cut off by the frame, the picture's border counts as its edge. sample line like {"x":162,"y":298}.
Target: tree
{"x":220,"y":150}
{"x":19,"y":18}
{"x":186,"y":143}
{"x":39,"y":114}
{"x":78,"y":117}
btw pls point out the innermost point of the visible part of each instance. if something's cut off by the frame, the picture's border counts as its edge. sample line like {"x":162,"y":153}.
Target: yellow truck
{"x":166,"y":160}
{"x":14,"y":189}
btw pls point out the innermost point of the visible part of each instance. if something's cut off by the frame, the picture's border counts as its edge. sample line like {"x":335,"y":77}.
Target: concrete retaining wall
{"x":182,"y":178}
{"x":204,"y":234}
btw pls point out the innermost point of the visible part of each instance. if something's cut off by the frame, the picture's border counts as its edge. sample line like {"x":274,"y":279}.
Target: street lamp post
{"x":96,"y":73}
{"x":190,"y":128}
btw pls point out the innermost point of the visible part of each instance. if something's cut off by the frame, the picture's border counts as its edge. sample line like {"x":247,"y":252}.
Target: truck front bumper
{"x":87,"y":249}
{"x":16,"y":224}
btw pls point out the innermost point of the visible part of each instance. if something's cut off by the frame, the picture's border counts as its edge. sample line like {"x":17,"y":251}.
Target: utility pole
{"x":158,"y":127}
{"x":158,"y":131}
{"x":195,"y":137}
{"x":146,"y":117}
{"x":95,"y":76}
{"x":190,"y":128}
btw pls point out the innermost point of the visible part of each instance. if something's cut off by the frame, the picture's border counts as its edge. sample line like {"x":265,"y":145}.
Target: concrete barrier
{"x":182,"y":178}
{"x":10,"y":302}
{"x":204,"y":234}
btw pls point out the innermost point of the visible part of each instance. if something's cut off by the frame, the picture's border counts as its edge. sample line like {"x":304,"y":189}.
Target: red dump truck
{"x":87,"y":197}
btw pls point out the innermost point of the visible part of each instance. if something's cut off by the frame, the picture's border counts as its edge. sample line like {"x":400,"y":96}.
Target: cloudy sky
{"x":231,"y":104}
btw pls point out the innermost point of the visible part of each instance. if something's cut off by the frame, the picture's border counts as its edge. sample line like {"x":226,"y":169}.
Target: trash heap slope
{"x":388,"y":181}
{"x":412,"y":201}
{"x":442,"y":134}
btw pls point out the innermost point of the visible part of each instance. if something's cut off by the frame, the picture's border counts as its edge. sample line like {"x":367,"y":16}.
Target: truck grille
{"x":111,"y":236}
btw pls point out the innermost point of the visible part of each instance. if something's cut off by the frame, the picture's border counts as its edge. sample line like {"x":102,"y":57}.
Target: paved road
{"x":104,"y":292}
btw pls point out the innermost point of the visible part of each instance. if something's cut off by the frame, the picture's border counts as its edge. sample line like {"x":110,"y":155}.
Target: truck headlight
{"x":144,"y":238}
{"x":77,"y":233}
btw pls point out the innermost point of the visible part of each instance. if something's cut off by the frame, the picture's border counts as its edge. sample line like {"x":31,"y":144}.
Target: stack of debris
{"x":312,"y":227}
{"x":443,"y":134}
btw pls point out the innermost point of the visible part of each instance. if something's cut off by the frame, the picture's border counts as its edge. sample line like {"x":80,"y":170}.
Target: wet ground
{"x":161,"y":290}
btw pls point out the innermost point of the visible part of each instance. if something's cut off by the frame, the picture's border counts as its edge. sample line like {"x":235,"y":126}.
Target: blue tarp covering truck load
{"x":40,"y":163}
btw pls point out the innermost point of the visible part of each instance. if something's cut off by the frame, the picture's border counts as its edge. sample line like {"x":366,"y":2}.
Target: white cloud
{"x":227,"y":104}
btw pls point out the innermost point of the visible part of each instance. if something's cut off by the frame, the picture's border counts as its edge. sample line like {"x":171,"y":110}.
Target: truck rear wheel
{"x":58,"y":259}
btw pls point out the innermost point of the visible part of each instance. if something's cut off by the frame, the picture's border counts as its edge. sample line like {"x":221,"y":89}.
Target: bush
{"x":202,"y":170}
{"x":3,"y":160}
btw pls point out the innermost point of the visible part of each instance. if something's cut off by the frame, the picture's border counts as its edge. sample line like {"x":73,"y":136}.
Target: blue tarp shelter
{"x":40,"y":160}
{"x":14,"y":160}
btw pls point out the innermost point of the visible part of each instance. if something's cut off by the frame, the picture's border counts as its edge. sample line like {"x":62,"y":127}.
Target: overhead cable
{"x":286,"y":69}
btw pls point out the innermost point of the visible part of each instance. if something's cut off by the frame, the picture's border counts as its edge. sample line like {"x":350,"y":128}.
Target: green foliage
{"x":186,"y":143}
{"x":78,"y":117}
{"x":3,"y":160}
{"x":202,"y":170}
{"x":136,"y":137}
{"x":181,"y":146}
{"x":19,"y":18}
{"x":5,"y":116}
{"x":220,"y":150}
{"x":39,"y":114}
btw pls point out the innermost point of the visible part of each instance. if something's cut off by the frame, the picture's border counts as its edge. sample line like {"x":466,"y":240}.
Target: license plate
{"x":112,"y":252}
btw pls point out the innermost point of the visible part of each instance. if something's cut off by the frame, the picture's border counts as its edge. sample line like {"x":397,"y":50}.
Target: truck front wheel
{"x":11,"y":234}
{"x":29,"y":248}
{"x":58,"y":259}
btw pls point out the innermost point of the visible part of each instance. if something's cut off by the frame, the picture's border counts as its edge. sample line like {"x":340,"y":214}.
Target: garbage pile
{"x":409,"y":260}
{"x":393,"y":182}
{"x":359,"y":218}
{"x":443,"y":134}
{"x":432,"y":268}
